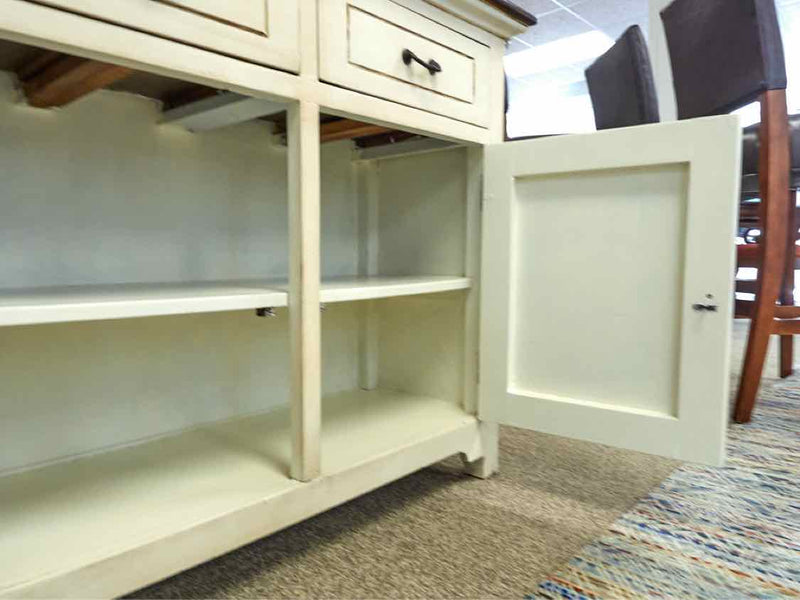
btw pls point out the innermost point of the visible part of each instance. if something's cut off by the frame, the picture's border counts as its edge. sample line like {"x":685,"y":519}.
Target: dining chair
{"x":726,"y":54}
{"x":621,"y":84}
{"x":750,"y":223}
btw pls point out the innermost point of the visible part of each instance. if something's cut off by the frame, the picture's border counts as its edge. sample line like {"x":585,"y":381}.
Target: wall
{"x":422,"y":214}
{"x":662,"y":71}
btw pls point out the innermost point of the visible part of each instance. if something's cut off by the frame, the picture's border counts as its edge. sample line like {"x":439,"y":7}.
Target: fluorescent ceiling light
{"x":561,"y":53}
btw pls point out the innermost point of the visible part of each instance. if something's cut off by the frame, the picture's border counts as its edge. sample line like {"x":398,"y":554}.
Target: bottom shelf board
{"x":69,"y":516}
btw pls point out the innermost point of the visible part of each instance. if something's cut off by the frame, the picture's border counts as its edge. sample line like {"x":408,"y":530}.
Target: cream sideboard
{"x":209,"y":334}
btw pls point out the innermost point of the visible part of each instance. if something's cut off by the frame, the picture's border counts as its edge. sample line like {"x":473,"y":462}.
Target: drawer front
{"x":262,"y":31}
{"x":362,"y":45}
{"x":252,"y":15}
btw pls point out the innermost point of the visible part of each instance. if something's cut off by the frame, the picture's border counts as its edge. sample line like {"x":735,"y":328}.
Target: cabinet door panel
{"x":596,"y":248}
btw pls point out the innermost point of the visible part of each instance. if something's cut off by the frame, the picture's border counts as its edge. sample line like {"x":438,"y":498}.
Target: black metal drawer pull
{"x":432,"y":66}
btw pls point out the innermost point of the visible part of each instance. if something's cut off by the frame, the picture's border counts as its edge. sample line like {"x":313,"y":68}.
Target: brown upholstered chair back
{"x":724,"y":53}
{"x":621,"y":84}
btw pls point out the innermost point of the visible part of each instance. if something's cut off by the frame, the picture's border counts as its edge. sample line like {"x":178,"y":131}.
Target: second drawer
{"x":383,"y":49}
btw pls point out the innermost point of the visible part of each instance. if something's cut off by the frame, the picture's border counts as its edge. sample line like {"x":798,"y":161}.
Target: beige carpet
{"x":439,"y":534}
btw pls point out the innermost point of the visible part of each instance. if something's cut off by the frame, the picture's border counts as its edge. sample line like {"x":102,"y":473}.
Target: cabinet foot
{"x":483,"y":468}
{"x":488,"y":464}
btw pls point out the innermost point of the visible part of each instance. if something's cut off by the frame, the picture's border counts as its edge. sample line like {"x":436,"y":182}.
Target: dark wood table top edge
{"x":512,"y":10}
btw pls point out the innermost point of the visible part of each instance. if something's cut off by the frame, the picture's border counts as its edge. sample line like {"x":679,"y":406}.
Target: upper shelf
{"x":123,"y":301}
{"x":369,"y":288}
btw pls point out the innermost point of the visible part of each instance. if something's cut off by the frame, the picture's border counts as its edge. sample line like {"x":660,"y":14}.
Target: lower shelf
{"x":68,"y":526}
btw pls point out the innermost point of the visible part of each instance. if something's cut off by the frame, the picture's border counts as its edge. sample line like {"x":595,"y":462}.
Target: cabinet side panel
{"x":340,"y":346}
{"x":422,"y":228}
{"x":422,"y":214}
{"x":421,"y":341}
{"x":339,"y":212}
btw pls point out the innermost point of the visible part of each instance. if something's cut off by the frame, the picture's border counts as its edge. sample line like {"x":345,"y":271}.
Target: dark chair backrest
{"x":621,"y":84}
{"x":724,"y":53}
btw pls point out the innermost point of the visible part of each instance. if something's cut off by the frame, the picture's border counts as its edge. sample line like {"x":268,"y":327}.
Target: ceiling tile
{"x":554,"y":26}
{"x":515,"y":45}
{"x":516,"y":86}
{"x":539,"y":81}
{"x":613,"y":17}
{"x":537,"y":7}
{"x":560,"y":77}
{"x":565,"y":75}
{"x":577,"y":88}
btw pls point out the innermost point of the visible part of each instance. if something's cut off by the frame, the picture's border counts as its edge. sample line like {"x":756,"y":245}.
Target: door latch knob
{"x":707,"y":306}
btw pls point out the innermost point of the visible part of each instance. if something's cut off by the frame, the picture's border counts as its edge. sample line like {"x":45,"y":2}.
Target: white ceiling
{"x":560,"y":19}
{"x":564,"y":18}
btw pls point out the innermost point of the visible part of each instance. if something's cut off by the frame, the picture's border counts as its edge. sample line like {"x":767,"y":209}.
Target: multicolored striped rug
{"x":708,"y":533}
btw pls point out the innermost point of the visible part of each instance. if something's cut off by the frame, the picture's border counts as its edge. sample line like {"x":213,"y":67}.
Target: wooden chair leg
{"x":787,"y":288}
{"x":774,"y":182}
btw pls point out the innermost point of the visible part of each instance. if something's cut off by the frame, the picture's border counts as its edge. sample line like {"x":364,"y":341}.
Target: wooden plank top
{"x":514,"y":11}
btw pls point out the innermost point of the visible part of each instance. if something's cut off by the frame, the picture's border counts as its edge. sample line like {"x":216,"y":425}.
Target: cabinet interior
{"x":105,"y":416}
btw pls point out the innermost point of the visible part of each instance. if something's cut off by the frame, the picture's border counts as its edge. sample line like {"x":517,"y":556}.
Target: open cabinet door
{"x":607,"y":285}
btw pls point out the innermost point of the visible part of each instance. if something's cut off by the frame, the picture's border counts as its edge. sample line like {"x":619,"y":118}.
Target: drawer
{"x":362,"y":47}
{"x":262,"y":31}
